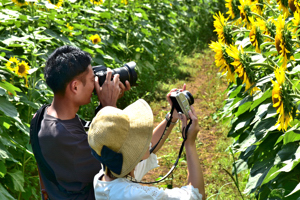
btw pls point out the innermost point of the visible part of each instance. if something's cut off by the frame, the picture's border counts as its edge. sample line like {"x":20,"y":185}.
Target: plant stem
{"x":262,"y":64}
{"x":295,"y":95}
{"x":257,"y":15}
{"x":269,"y":37}
{"x":271,"y":9}
{"x":297,"y":41}
{"x":240,"y":31}
{"x":272,"y":62}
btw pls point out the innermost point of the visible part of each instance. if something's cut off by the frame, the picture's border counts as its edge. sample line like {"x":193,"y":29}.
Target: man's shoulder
{"x":56,"y":127}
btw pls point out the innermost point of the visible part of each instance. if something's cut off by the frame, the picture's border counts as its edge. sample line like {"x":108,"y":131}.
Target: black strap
{"x":184,"y":136}
{"x":44,"y":167}
{"x":166,"y":128}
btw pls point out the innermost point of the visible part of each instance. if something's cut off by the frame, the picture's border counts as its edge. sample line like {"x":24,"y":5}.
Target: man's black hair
{"x":63,"y":65}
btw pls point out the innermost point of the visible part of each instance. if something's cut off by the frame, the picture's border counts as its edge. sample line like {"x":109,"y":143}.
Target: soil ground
{"x":208,"y":91}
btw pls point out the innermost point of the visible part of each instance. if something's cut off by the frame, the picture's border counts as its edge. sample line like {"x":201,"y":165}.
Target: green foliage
{"x":151,"y":33}
{"x":263,"y":80}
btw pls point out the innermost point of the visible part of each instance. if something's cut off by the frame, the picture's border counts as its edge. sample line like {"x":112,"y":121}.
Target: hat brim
{"x":140,"y":135}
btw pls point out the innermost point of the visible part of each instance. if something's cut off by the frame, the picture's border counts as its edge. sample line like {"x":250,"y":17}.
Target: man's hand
{"x":175,"y":114}
{"x":109,"y":92}
{"x":124,"y":88}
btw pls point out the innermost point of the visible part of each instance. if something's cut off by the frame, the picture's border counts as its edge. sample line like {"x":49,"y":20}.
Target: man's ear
{"x":73,"y":86}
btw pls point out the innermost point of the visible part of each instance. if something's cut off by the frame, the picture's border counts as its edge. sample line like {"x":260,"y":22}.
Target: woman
{"x":120,"y":139}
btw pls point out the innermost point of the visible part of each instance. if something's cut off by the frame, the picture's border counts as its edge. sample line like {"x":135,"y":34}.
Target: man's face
{"x":86,"y":90}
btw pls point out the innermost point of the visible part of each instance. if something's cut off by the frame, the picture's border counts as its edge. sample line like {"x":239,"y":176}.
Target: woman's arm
{"x":158,"y":131}
{"x":195,"y":175}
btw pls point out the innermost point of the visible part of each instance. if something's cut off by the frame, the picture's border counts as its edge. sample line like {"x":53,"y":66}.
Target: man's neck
{"x":62,"y":108}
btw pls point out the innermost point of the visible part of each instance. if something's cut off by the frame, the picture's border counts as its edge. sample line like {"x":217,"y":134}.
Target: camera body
{"x":126,"y":72}
{"x":182,"y":101}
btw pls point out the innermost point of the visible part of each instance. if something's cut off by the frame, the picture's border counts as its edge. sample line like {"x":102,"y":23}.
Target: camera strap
{"x":184,"y":136}
{"x":166,"y":128}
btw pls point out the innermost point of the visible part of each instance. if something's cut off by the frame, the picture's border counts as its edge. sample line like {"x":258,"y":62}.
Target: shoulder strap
{"x":35,"y":127}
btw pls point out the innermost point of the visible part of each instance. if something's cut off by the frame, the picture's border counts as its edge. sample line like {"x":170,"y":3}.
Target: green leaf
{"x":291,"y":136}
{"x":243,"y":108}
{"x":17,"y":179}
{"x":2,"y":169}
{"x":297,"y":188}
{"x":8,"y":108}
{"x":286,"y":159}
{"x":261,"y":112}
{"x":266,"y":95}
{"x":295,"y":70}
{"x":4,"y":194}
{"x":5,"y":155}
{"x":9,"y":87}
{"x":105,"y":15}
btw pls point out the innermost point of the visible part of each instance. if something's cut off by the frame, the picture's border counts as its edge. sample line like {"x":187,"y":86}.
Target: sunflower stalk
{"x":290,"y":82}
{"x":296,"y":96}
{"x":272,"y":62}
{"x":236,"y":31}
{"x":269,"y":37}
{"x":297,"y":41}
{"x":275,"y":13}
{"x":262,"y":64}
{"x":257,"y":15}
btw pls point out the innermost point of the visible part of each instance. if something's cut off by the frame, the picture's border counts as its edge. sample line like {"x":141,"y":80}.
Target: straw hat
{"x":120,"y":138}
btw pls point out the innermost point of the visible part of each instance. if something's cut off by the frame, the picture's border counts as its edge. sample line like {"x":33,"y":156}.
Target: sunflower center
{"x":96,"y":40}
{"x":21,"y":69}
{"x":277,"y":45}
{"x":292,"y":5}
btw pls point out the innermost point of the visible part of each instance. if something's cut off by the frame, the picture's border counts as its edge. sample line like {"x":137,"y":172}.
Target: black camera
{"x":182,"y":101}
{"x":126,"y":72}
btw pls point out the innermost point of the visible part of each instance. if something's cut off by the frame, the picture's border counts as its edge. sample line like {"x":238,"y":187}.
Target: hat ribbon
{"x":110,"y":158}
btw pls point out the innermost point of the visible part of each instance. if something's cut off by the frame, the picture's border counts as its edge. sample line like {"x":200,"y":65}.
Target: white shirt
{"x":123,"y":189}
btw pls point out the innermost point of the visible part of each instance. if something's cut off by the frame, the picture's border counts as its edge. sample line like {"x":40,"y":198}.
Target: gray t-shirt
{"x":65,"y":147}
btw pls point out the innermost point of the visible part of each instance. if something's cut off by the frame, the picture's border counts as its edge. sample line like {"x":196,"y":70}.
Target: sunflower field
{"x":258,"y":51}
{"x":152,"y":33}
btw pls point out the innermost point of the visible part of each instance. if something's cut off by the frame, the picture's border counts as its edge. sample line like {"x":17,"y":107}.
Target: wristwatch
{"x":168,"y":118}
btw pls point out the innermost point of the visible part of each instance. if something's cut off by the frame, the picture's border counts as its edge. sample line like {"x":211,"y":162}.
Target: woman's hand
{"x":175,"y":114}
{"x":194,"y":127}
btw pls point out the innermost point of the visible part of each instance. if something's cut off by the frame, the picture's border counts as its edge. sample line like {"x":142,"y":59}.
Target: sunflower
{"x":233,"y":10}
{"x":223,"y":60}
{"x":259,"y":6}
{"x":294,"y":5}
{"x":222,"y":28}
{"x":126,"y":2}
{"x":255,"y":35}
{"x":245,"y":11}
{"x":283,"y":42}
{"x":96,"y":2}
{"x":281,"y":101}
{"x":69,"y":27}
{"x":296,"y":21}
{"x":241,"y":65}
{"x":22,"y":69}
{"x":57,"y":3}
{"x":20,"y":2}
{"x":270,"y":28}
{"x":95,"y":39}
{"x":14,"y":61}
{"x":284,"y":6}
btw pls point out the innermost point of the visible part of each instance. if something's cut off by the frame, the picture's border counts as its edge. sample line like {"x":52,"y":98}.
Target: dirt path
{"x":208,"y":91}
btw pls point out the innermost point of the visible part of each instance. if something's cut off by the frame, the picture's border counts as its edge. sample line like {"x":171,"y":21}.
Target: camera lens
{"x":189,"y":97}
{"x":127,"y":72}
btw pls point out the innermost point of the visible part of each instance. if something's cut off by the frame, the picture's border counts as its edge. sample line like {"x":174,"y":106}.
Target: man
{"x":62,"y":138}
